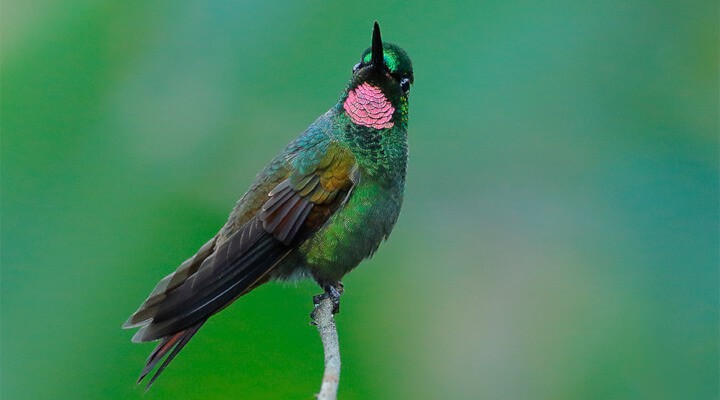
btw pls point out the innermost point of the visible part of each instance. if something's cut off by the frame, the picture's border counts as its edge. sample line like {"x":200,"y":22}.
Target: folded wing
{"x":317,"y":184}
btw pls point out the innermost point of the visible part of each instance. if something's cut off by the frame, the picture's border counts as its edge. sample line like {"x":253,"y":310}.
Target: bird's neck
{"x":381,"y":154}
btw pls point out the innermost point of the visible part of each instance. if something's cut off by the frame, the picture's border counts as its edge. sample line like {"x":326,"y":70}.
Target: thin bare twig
{"x":323,"y":317}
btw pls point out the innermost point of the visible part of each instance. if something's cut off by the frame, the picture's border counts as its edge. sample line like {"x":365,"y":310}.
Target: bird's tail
{"x":169,"y":344}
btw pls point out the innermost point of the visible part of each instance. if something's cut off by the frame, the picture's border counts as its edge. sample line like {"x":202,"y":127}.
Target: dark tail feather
{"x":175,"y":343}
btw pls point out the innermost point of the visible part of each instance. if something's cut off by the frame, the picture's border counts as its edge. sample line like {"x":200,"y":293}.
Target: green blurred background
{"x":559,"y":238}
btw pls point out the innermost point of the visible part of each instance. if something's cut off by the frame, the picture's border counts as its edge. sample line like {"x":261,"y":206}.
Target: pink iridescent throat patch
{"x":366,"y":105}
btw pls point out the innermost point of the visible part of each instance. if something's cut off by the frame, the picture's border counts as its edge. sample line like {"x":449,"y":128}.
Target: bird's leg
{"x":332,"y":292}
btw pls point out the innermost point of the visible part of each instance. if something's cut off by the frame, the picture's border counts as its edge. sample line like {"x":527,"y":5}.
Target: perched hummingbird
{"x":317,"y":210}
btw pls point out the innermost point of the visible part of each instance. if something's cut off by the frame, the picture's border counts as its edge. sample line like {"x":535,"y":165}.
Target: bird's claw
{"x":333,"y":293}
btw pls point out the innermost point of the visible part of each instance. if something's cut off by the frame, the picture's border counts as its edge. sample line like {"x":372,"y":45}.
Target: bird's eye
{"x":356,"y":67}
{"x":405,"y":84}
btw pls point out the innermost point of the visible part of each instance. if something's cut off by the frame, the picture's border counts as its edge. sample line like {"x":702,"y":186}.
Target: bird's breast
{"x":354,"y":232}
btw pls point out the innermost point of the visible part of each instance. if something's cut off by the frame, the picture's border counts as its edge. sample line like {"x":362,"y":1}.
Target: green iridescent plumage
{"x":394,"y":57}
{"x":320,"y":207}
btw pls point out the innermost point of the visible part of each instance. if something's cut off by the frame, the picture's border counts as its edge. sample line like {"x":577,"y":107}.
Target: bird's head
{"x":378,"y":91}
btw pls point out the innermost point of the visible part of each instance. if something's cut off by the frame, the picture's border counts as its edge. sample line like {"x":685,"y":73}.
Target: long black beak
{"x":377,"y":48}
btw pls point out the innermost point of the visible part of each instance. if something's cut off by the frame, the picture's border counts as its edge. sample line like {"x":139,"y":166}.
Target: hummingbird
{"x":319,"y":208}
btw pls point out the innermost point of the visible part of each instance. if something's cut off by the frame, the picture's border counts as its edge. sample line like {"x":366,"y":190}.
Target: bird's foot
{"x":333,"y":293}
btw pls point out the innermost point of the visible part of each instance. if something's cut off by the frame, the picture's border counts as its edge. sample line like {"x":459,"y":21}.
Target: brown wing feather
{"x":305,"y":200}
{"x":223,"y":270}
{"x":168,"y":283}
{"x":222,"y":276}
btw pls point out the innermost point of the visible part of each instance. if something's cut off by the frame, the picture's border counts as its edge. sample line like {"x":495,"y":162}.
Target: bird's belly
{"x":353,"y":233}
